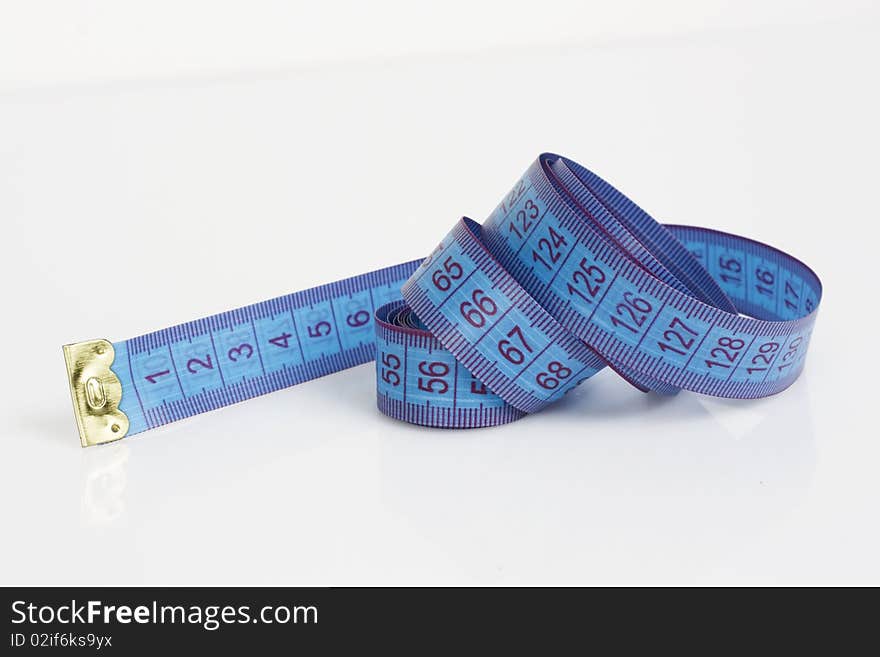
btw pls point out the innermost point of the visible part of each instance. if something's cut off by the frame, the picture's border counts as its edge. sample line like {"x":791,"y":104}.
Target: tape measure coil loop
{"x":568,"y":275}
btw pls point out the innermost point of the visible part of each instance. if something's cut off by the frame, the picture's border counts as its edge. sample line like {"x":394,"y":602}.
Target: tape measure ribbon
{"x":567,"y":275}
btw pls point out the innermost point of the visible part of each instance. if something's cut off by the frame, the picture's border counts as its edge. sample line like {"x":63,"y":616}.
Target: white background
{"x":163,"y":161}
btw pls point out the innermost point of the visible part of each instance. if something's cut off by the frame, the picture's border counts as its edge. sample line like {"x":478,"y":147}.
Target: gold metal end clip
{"x":96,"y":392}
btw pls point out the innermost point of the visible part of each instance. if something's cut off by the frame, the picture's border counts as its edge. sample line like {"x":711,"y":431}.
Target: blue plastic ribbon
{"x":565,"y":277}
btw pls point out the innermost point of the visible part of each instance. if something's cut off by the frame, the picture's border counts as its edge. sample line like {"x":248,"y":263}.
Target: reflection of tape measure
{"x":565,"y":277}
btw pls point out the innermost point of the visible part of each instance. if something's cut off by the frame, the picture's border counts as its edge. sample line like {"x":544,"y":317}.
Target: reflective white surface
{"x":197,"y":196}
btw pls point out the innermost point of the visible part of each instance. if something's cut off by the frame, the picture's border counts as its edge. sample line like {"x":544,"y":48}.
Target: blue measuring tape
{"x":565,"y":277}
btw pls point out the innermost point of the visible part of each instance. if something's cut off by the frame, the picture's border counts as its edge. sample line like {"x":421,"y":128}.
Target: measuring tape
{"x":566,"y":276}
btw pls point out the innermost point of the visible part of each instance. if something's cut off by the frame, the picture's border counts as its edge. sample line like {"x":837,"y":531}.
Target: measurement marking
{"x":405,"y":362}
{"x":801,"y":298}
{"x":134,"y":385}
{"x":455,"y":383}
{"x":489,"y":330}
{"x":457,"y":288}
{"x":685,"y":366}
{"x":562,"y":264}
{"x":302,"y":354}
{"x":598,"y":304}
{"x":257,"y":343}
{"x":531,"y":362}
{"x":741,"y":358}
{"x":648,"y":330}
{"x":219,"y":369}
{"x":781,"y":349}
{"x":336,"y":325}
{"x":176,"y":375}
{"x":528,"y":235}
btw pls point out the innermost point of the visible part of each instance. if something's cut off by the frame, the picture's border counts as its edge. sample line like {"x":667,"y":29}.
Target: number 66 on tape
{"x":566,"y":276}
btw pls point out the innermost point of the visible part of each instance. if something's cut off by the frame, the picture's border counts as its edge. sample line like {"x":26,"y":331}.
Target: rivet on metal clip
{"x":96,"y":392}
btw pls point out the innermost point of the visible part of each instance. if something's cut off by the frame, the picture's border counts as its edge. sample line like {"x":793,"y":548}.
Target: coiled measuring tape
{"x":565,"y":277}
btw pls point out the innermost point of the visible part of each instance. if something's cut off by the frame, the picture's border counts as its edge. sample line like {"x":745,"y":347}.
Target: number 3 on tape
{"x":565,"y":277}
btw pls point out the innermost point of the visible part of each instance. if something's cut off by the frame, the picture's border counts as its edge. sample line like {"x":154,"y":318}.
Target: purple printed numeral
{"x":155,"y":375}
{"x":193,"y":364}
{"x":281,"y":340}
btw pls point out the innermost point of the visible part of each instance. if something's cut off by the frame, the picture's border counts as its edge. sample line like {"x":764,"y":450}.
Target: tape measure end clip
{"x":96,"y":392}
